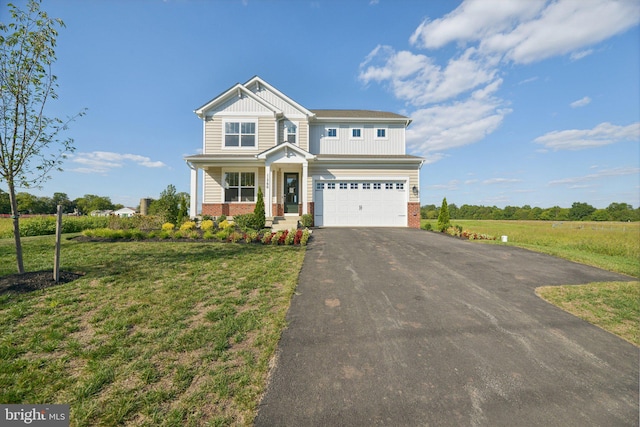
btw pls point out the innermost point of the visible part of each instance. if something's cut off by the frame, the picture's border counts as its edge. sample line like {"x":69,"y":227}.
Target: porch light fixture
{"x":415,"y":190}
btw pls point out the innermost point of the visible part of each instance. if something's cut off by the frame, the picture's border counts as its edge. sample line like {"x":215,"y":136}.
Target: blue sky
{"x":513,"y":102}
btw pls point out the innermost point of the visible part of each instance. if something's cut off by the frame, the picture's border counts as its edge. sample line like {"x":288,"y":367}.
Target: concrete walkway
{"x":402,"y":327}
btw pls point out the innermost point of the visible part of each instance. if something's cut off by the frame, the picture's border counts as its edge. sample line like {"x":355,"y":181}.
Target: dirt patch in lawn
{"x":33,"y":281}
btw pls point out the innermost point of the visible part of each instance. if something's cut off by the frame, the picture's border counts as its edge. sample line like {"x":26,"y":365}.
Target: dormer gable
{"x":240,"y":99}
{"x":273,"y":96}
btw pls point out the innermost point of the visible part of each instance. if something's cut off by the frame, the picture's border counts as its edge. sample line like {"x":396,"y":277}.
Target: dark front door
{"x":291,"y":188}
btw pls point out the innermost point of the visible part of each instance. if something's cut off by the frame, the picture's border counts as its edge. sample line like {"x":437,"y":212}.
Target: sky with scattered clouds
{"x":513,"y":102}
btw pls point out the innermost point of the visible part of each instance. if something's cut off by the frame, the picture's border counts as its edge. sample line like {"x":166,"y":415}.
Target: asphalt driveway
{"x":403,"y":327}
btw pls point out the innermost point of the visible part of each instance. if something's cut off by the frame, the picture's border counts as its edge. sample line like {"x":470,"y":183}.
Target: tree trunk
{"x":16,"y":226}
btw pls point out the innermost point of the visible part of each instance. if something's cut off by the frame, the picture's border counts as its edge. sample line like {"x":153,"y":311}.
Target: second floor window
{"x":290,"y":130}
{"x":356,"y":133}
{"x":239,"y":134}
{"x":332,"y":132}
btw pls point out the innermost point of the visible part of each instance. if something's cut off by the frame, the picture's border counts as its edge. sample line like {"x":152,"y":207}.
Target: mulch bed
{"x":33,"y":281}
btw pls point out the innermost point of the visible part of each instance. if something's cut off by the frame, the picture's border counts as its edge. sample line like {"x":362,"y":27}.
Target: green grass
{"x":155,"y":333}
{"x":613,"y":246}
{"x":613,"y":306}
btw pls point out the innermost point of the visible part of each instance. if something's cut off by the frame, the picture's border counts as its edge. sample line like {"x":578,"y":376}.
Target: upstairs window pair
{"x":239,"y":134}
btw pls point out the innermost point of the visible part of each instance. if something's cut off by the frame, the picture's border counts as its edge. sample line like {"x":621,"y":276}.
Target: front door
{"x":291,"y":193}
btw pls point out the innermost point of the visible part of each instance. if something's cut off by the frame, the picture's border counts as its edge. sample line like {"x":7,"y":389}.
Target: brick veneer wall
{"x":413,"y":213}
{"x":227,"y":209}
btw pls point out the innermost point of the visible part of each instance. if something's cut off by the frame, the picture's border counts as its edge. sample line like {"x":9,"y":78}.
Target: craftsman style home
{"x":344,"y":167}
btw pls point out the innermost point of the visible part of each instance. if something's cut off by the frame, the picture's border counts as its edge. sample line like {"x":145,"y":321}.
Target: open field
{"x":613,"y":246}
{"x":154,"y":333}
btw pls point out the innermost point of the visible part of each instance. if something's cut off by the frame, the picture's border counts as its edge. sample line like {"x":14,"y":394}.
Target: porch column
{"x":193,"y":205}
{"x":305,"y":172}
{"x":267,"y":190}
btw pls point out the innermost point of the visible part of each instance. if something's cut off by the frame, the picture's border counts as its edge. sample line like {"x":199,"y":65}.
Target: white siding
{"x":368,"y":144}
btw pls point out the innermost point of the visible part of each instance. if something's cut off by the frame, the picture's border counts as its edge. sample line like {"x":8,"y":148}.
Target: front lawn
{"x":613,"y":306}
{"x":154,"y":333}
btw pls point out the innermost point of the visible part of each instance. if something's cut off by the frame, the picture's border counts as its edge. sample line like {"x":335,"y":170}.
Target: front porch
{"x":282,"y":173}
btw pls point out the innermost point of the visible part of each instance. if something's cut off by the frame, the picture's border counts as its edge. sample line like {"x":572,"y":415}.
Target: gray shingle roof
{"x":357,"y":114}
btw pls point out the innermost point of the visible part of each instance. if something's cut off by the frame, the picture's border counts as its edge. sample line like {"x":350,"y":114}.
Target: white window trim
{"x":286,"y":134}
{"x":239,"y":120}
{"x":351,"y":129}
{"x":240,"y":170}
{"x":326,"y":132}
{"x":386,"y":132}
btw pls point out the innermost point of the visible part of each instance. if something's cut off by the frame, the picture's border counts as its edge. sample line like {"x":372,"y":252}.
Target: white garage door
{"x":374,"y":203}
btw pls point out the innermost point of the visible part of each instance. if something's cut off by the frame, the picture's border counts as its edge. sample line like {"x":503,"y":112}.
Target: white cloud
{"x":417,"y":79}
{"x":577,"y":139}
{"x":493,"y":181}
{"x":581,"y":102}
{"x":449,"y":186}
{"x":580,"y":54}
{"x":443,"y":127}
{"x":473,"y":20}
{"x":575,"y":182}
{"x":456,"y":102}
{"x":529,"y":31}
{"x":103,"y":161}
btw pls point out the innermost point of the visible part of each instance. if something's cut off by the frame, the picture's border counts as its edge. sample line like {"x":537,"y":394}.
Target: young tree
{"x":183,"y":211}
{"x":444,"y":221}
{"x":168,"y":205}
{"x":29,"y":144}
{"x":259,"y":215}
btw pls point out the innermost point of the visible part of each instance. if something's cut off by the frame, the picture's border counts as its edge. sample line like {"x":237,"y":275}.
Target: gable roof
{"x":285,"y":146}
{"x":258,"y":81}
{"x":235,"y":90}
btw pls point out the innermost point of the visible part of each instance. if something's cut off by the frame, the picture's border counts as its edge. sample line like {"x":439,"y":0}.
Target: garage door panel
{"x":361,"y":203}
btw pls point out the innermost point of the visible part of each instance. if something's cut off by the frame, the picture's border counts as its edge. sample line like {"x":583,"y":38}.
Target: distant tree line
{"x":171,"y":205}
{"x":30,"y":204}
{"x":577,"y":212}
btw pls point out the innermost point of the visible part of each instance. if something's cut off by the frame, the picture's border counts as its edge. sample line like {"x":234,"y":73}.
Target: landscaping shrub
{"x":305,"y":237}
{"x":307,"y":220}
{"x":206,"y":224}
{"x":243,"y":221}
{"x":225,"y":224}
{"x":275,"y":239}
{"x":187,"y":226}
{"x":426,"y":226}
{"x":167,"y":226}
{"x":288,"y":240}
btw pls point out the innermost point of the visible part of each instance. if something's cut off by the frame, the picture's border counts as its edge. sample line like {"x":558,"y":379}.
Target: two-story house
{"x":344,"y":167}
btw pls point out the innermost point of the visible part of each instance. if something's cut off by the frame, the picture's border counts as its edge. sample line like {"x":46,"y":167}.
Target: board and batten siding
{"x":214,"y":135}
{"x":365,"y":173}
{"x":368,"y":144}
